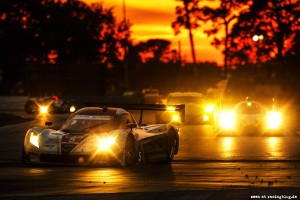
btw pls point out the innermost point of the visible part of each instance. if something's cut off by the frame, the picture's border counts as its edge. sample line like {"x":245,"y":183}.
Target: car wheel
{"x":24,"y":157}
{"x":130,"y":153}
{"x":171,"y":147}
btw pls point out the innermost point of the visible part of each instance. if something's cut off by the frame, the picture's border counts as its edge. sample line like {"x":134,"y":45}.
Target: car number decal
{"x":72,"y":139}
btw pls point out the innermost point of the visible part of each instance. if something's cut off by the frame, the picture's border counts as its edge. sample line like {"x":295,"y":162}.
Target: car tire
{"x":171,"y":147}
{"x":130,"y":152}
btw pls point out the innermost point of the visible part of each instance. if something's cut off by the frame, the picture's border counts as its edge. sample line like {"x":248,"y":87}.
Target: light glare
{"x":43,"y":109}
{"x":209,"y":108}
{"x":175,"y":117}
{"x":34,"y":139}
{"x":227,"y":120}
{"x":104,"y":144}
{"x":72,"y":109}
{"x":274,"y":120}
{"x":170,"y":108}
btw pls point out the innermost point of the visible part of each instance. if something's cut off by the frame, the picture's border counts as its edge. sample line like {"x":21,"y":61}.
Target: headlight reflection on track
{"x":274,"y":146}
{"x":227,"y":147}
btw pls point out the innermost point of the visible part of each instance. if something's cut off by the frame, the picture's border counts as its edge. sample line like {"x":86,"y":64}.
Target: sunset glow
{"x":152,"y":19}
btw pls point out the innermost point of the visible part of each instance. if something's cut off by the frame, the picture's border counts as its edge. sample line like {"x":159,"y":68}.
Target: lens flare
{"x":105,"y":144}
{"x":209,"y":108}
{"x":274,"y":120}
{"x":43,"y":109}
{"x":175,"y":118}
{"x":227,"y":120}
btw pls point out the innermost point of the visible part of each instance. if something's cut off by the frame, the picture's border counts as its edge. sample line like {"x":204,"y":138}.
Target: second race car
{"x":102,"y":135}
{"x":53,"y":104}
{"x":248,"y":118}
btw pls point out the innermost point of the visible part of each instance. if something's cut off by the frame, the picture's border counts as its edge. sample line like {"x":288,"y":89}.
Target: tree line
{"x":72,"y":32}
{"x":43,"y":32}
{"x":254,"y":31}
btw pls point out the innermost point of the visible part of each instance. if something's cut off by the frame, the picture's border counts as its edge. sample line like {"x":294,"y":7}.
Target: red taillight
{"x":55,"y":97}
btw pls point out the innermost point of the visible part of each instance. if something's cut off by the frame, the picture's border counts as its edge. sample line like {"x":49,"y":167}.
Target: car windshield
{"x":249,"y":108}
{"x":87,"y":123}
{"x":183,"y":99}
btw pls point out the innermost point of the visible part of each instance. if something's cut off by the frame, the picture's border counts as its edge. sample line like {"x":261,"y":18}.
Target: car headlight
{"x":34,"y":139}
{"x":43,"y":109}
{"x":72,"y":109}
{"x":175,"y":118}
{"x":206,"y":118}
{"x":274,"y":120}
{"x":227,"y":120}
{"x":209,"y":108}
{"x":105,"y":143}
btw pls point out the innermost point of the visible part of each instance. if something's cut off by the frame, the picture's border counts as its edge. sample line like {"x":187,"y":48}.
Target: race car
{"x":248,"y":118}
{"x":197,"y":109}
{"x":103,"y":135}
{"x":52,"y":104}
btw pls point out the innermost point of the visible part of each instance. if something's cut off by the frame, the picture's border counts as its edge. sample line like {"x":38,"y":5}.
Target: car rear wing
{"x":180,"y":108}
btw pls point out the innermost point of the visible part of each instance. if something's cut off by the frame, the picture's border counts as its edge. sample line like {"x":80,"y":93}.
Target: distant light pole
{"x":256,"y":39}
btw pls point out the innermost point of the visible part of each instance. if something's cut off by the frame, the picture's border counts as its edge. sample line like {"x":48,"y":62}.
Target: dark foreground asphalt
{"x":240,"y":194}
{"x":9,"y":119}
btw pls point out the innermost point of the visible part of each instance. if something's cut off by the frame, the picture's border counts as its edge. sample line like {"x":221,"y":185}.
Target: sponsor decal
{"x":73,"y":138}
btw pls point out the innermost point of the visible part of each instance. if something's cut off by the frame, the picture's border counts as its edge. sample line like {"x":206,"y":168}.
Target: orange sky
{"x":152,"y":19}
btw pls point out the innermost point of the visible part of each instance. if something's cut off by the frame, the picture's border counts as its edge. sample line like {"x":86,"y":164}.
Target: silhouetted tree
{"x":221,"y":17}
{"x":278,"y":24}
{"x":70,"y":31}
{"x":154,"y":49}
{"x":186,"y":17}
{"x":53,"y":31}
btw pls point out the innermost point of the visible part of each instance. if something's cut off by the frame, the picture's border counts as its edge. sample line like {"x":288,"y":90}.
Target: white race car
{"x":248,"y":117}
{"x":103,"y":135}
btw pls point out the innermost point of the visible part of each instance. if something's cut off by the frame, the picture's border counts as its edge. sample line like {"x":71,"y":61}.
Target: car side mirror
{"x":131,"y":125}
{"x":48,"y":124}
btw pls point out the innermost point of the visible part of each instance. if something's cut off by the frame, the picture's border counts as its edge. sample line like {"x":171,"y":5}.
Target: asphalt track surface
{"x":207,"y":167}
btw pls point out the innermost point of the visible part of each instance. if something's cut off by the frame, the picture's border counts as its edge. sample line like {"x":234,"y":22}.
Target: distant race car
{"x":249,"y":117}
{"x":197,"y":109}
{"x":48,"y":104}
{"x":103,"y":135}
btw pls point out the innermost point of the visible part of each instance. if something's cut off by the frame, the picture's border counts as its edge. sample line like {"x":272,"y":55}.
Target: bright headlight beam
{"x":226,"y":120}
{"x":104,"y":144}
{"x":206,"y":118}
{"x":34,"y":139}
{"x":72,"y":109}
{"x":43,"y":109}
{"x":209,"y":108}
{"x":175,"y":118}
{"x":273,"y":120}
